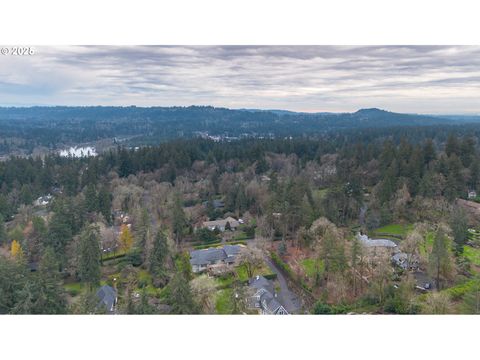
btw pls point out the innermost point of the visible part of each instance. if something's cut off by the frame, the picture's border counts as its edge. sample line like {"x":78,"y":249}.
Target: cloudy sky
{"x":411,"y":79}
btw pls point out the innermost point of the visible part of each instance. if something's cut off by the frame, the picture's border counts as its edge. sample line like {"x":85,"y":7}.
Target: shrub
{"x":321,"y":308}
{"x":205,"y":236}
{"x":270,"y":276}
{"x":134,"y":258}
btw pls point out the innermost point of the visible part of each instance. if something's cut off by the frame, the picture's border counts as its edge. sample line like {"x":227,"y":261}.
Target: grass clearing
{"x":472,"y":254}
{"x":73,"y":289}
{"x":312,"y":266}
{"x":394,"y":229}
{"x":243,"y":276}
{"x":427,"y":244}
{"x":224,"y":303}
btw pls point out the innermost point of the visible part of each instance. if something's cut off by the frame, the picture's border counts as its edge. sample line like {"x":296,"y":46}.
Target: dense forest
{"x":303,"y":200}
{"x":49,"y":128}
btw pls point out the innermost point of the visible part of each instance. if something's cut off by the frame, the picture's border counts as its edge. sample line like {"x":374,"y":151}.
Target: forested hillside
{"x":25,"y":129}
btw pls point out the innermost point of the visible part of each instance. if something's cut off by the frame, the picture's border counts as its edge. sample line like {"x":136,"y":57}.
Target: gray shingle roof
{"x":268,"y":300}
{"x":211,"y":255}
{"x":260,"y":282}
{"x":107,"y":297}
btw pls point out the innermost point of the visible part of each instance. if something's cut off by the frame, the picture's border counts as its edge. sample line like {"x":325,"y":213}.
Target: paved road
{"x":287,"y":298}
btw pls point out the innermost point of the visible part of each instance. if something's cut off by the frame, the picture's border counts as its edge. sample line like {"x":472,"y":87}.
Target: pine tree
{"x":159,"y":255}
{"x":179,"y":219}
{"x":180,"y":296}
{"x":59,"y":232}
{"x":142,"y":232}
{"x":440,"y":263}
{"x":43,"y":293}
{"x":89,"y":256}
{"x":3,"y":232}
{"x":459,"y":226}
{"x":91,"y":200}
{"x":105,"y":204}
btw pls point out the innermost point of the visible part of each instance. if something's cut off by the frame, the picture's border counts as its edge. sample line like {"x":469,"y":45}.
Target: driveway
{"x":287,"y":298}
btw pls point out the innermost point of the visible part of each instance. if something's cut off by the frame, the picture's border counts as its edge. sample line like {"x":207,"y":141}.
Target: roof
{"x":365,"y":240}
{"x":400,"y":257}
{"x":216,"y":203}
{"x":266,"y":292}
{"x":107,"y":297}
{"x":260,"y":282}
{"x":232,"y":250}
{"x":222,"y":222}
{"x":270,"y":303}
{"x":207,"y":256}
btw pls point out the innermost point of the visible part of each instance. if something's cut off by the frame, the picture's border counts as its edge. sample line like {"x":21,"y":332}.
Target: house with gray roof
{"x":107,"y":299}
{"x":222,"y":224}
{"x":405,"y":261}
{"x":201,"y":260}
{"x":216,"y":203}
{"x":264,"y":298}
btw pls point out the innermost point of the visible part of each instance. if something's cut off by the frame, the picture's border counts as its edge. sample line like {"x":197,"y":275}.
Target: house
{"x":107,"y":298}
{"x":472,"y":194}
{"x":216,"y":203}
{"x":405,"y":262}
{"x":263,"y":297}
{"x":43,"y":200}
{"x":222,"y":224}
{"x":201,"y":260}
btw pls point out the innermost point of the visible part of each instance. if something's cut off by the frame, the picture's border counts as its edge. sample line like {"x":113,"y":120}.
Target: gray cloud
{"x":424,"y":79}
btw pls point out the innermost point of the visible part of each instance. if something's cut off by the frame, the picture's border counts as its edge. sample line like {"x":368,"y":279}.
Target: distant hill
{"x":57,"y":126}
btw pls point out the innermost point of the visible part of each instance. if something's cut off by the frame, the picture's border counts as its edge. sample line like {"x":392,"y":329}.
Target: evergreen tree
{"x":13,"y":275}
{"x":180,"y":296}
{"x":459,"y":226}
{"x":3,"y":232}
{"x":105,"y":204}
{"x":89,"y":256}
{"x":159,"y":255}
{"x":440,"y":263}
{"x":91,"y":199}
{"x":59,"y":232}
{"x":178,"y":219}
{"x":43,"y":293}
{"x":452,"y":146}
{"x":142,"y":232}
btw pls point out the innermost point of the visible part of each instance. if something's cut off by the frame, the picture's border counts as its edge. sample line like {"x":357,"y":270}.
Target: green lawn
{"x":310,"y":267}
{"x":243,"y":276}
{"x":225,"y":281}
{"x":224,"y":304}
{"x":320,"y":193}
{"x":73,"y":289}
{"x":472,"y":254}
{"x":240,"y":235}
{"x":395,"y":229}
{"x":424,"y":248}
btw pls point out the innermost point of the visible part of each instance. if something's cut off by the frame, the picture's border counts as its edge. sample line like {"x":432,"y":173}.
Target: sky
{"x":407,"y":79}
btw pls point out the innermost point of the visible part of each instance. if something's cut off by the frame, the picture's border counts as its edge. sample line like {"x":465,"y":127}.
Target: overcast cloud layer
{"x":413,"y":79}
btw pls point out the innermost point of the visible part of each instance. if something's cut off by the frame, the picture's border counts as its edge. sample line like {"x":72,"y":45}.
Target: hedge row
{"x":289,"y":272}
